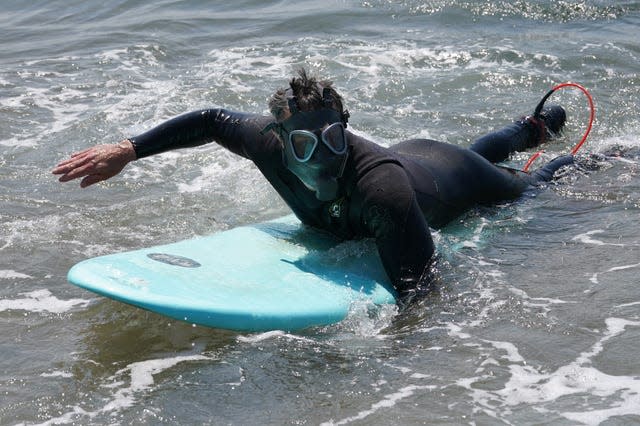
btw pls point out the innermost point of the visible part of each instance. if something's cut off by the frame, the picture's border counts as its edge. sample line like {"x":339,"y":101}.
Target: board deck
{"x":275,"y":275}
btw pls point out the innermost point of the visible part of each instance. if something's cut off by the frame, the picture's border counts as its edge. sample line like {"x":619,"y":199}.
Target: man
{"x":340,"y":182}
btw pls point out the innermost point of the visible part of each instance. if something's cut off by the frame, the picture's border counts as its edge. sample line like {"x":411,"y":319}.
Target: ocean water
{"x":534,"y":320}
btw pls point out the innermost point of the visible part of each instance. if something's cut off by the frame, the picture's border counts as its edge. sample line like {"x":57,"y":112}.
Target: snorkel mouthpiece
{"x":327,"y":189}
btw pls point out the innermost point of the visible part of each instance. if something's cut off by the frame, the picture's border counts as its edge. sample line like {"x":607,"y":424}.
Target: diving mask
{"x":314,"y":152}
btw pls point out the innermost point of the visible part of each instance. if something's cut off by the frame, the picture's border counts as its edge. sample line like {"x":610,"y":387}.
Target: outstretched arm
{"x":236,"y":131}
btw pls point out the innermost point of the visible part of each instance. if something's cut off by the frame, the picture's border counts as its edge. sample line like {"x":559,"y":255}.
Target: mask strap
{"x":269,"y":127}
{"x":327,"y":98}
{"x":327,"y":101}
{"x":293,"y":105}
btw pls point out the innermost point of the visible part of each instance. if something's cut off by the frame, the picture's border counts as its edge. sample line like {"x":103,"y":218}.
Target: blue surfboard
{"x":276,"y":275}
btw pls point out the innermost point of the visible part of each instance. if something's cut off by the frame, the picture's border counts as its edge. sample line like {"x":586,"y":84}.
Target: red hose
{"x":592,"y":116}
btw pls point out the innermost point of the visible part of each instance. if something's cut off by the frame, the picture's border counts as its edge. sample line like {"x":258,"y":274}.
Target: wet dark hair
{"x":308,"y":93}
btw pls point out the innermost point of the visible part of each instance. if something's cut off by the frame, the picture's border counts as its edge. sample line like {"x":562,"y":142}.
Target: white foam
{"x":586,"y":239}
{"x":367,"y":319}
{"x":41,"y":301}
{"x":7,"y":274}
{"x":487,"y":298}
{"x":623,"y":267}
{"x":275,"y":334}
{"x":530,"y":386}
{"x":62,"y":102}
{"x":45,"y":229}
{"x":62,"y":374}
{"x":543,"y":303}
{"x":456,"y":331}
{"x":628,"y":140}
{"x":135,"y":57}
{"x":474,"y":241}
{"x":512,"y":351}
{"x":140,"y":379}
{"x":18,"y":142}
{"x":224,"y":165}
{"x":626,"y":305}
{"x":594,"y":278}
{"x":67,"y":104}
{"x":388,"y":401}
{"x":67,"y":418}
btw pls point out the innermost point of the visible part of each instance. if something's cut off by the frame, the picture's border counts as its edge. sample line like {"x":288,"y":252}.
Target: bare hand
{"x":96,"y":164}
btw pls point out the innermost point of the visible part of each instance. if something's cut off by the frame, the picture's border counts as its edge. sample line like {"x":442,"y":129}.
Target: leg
{"x":520,"y":136}
{"x":448,"y":179}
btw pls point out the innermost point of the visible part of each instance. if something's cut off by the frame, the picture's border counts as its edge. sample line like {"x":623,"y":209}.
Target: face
{"x":315,"y":150}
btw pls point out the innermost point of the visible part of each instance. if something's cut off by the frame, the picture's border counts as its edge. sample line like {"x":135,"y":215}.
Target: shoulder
{"x":367,"y":156}
{"x":381,"y":180}
{"x":241,"y":132}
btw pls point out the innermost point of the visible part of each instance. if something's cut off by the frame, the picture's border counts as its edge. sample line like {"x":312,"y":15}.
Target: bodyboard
{"x":277,"y":275}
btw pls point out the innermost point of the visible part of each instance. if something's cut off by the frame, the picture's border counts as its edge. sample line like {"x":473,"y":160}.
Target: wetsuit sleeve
{"x":392,"y":216}
{"x":546,"y":172}
{"x":238,"y":132}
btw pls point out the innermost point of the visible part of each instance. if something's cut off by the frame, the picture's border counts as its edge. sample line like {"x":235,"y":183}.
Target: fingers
{"x":76,"y":160}
{"x":62,"y":167}
{"x":90,"y":180}
{"x":74,"y":168}
{"x":76,"y":171}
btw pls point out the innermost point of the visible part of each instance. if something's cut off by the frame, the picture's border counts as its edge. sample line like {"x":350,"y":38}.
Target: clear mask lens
{"x":304,"y":142}
{"x":333,"y":138}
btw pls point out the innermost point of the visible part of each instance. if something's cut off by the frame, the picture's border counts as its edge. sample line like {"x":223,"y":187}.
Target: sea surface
{"x":535,"y":315}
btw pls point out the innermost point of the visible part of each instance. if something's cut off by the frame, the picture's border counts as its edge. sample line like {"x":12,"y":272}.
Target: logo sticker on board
{"x":172,"y":259}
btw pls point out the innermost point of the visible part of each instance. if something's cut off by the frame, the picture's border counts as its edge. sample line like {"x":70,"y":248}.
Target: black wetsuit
{"x":390,"y":194}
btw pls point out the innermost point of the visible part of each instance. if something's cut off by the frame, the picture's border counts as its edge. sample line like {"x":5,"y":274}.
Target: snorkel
{"x":315,"y":145}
